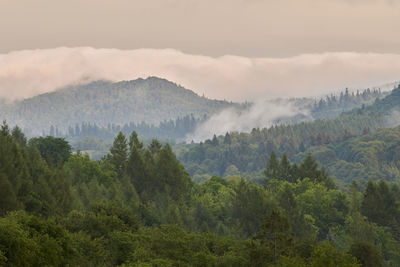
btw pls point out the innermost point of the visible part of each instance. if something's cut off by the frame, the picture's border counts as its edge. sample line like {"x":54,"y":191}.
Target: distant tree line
{"x":168,"y":130}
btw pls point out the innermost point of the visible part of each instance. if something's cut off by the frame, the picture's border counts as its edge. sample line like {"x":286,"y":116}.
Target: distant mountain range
{"x":150,"y":100}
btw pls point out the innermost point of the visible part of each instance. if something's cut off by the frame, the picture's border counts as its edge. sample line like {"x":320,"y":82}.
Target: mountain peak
{"x":151,"y":100}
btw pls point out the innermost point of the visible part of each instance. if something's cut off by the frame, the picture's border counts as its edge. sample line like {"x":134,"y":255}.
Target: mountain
{"x":150,"y":100}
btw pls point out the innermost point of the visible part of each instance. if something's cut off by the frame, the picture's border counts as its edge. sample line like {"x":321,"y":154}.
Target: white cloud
{"x":30,"y":72}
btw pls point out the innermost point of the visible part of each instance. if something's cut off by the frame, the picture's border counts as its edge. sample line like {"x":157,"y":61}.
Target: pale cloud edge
{"x":27,"y":73}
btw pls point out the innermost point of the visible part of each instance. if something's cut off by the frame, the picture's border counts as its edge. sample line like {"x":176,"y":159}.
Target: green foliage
{"x":285,"y":171}
{"x":56,"y":151}
{"x":119,"y":154}
{"x":148,"y":212}
{"x":276,"y":235}
{"x":367,"y":254}
{"x":352,"y":146}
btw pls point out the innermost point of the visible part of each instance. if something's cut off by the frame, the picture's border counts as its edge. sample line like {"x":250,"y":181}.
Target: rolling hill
{"x":150,"y":100}
{"x":359,"y":133}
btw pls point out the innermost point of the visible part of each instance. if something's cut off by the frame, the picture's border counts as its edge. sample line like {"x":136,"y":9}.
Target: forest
{"x":152,"y":100}
{"x":137,"y":206}
{"x":358,"y":145}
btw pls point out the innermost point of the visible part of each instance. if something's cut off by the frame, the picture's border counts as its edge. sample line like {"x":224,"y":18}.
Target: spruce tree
{"x":119,"y":154}
{"x":273,"y":167}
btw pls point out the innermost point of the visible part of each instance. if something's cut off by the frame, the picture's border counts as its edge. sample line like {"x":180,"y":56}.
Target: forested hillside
{"x":246,"y":153}
{"x":138,"y":207}
{"x":150,"y":100}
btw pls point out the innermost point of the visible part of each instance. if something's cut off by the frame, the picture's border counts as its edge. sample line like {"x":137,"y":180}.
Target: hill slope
{"x":247,"y":153}
{"x":150,"y":100}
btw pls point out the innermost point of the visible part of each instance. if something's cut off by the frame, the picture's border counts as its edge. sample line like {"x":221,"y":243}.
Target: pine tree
{"x":285,"y":169}
{"x":8,"y":199}
{"x":154,"y":147}
{"x":227,"y":139}
{"x":136,"y":170}
{"x":273,"y":167}
{"x":119,"y":153}
{"x":276,"y":235}
{"x":134,"y":141}
{"x":215,"y":141}
{"x":172,"y":177}
{"x":19,"y":135}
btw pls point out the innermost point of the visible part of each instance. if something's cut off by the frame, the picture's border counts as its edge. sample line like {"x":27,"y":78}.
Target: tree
{"x":328,"y":256}
{"x":154,"y":147}
{"x":171,"y":175}
{"x":273,"y":167}
{"x":19,"y":135}
{"x":215,"y":141}
{"x":134,"y":141}
{"x":379,"y":203}
{"x":276,"y":235}
{"x":285,"y":169}
{"x":8,"y":199}
{"x":119,"y":154}
{"x":136,"y":170}
{"x":55,"y":151}
{"x":227,"y":139}
{"x":367,"y":254}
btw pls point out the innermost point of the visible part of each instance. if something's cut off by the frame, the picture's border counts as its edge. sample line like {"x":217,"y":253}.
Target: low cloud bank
{"x":261,"y":114}
{"x":28,"y":73}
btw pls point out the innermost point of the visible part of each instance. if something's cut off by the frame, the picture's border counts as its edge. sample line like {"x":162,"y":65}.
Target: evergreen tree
{"x":19,"y":135}
{"x":171,"y":176}
{"x":367,"y":254}
{"x":136,"y":170}
{"x":55,"y":151}
{"x":227,"y":139}
{"x":119,"y":154}
{"x":285,"y":169}
{"x":134,"y":141}
{"x":215,"y":141}
{"x":276,"y":235}
{"x":273,"y":167}
{"x":154,"y":147}
{"x":8,"y":199}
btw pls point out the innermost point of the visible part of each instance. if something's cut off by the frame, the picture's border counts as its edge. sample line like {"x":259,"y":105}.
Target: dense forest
{"x":137,"y":206}
{"x":354,"y":146}
{"x":153,"y":107}
{"x":176,"y":129}
{"x":96,"y":140}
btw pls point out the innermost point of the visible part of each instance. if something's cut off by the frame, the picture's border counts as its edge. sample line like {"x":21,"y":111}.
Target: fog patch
{"x":393,"y":119}
{"x":260,"y":114}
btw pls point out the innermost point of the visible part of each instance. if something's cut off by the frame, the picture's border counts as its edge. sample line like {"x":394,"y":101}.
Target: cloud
{"x":261,"y":114}
{"x":28,"y":73}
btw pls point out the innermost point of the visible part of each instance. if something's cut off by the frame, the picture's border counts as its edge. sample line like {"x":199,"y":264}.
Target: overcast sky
{"x":233,"y":49}
{"x":254,"y":28}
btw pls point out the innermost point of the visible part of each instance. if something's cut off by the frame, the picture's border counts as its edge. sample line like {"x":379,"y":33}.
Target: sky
{"x":252,"y":28}
{"x":232,"y":49}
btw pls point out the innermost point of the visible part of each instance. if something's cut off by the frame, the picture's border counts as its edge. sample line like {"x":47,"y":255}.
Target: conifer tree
{"x":285,"y":169}
{"x":276,"y":235}
{"x":119,"y":154}
{"x":136,"y":169}
{"x":273,"y":167}
{"x":134,"y":141}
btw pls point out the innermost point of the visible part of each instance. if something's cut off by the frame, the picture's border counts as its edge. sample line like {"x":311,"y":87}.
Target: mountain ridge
{"x":150,"y":100}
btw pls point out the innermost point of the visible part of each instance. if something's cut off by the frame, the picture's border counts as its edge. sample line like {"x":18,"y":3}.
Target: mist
{"x":27,"y":73}
{"x":261,"y":114}
{"x":393,"y":119}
